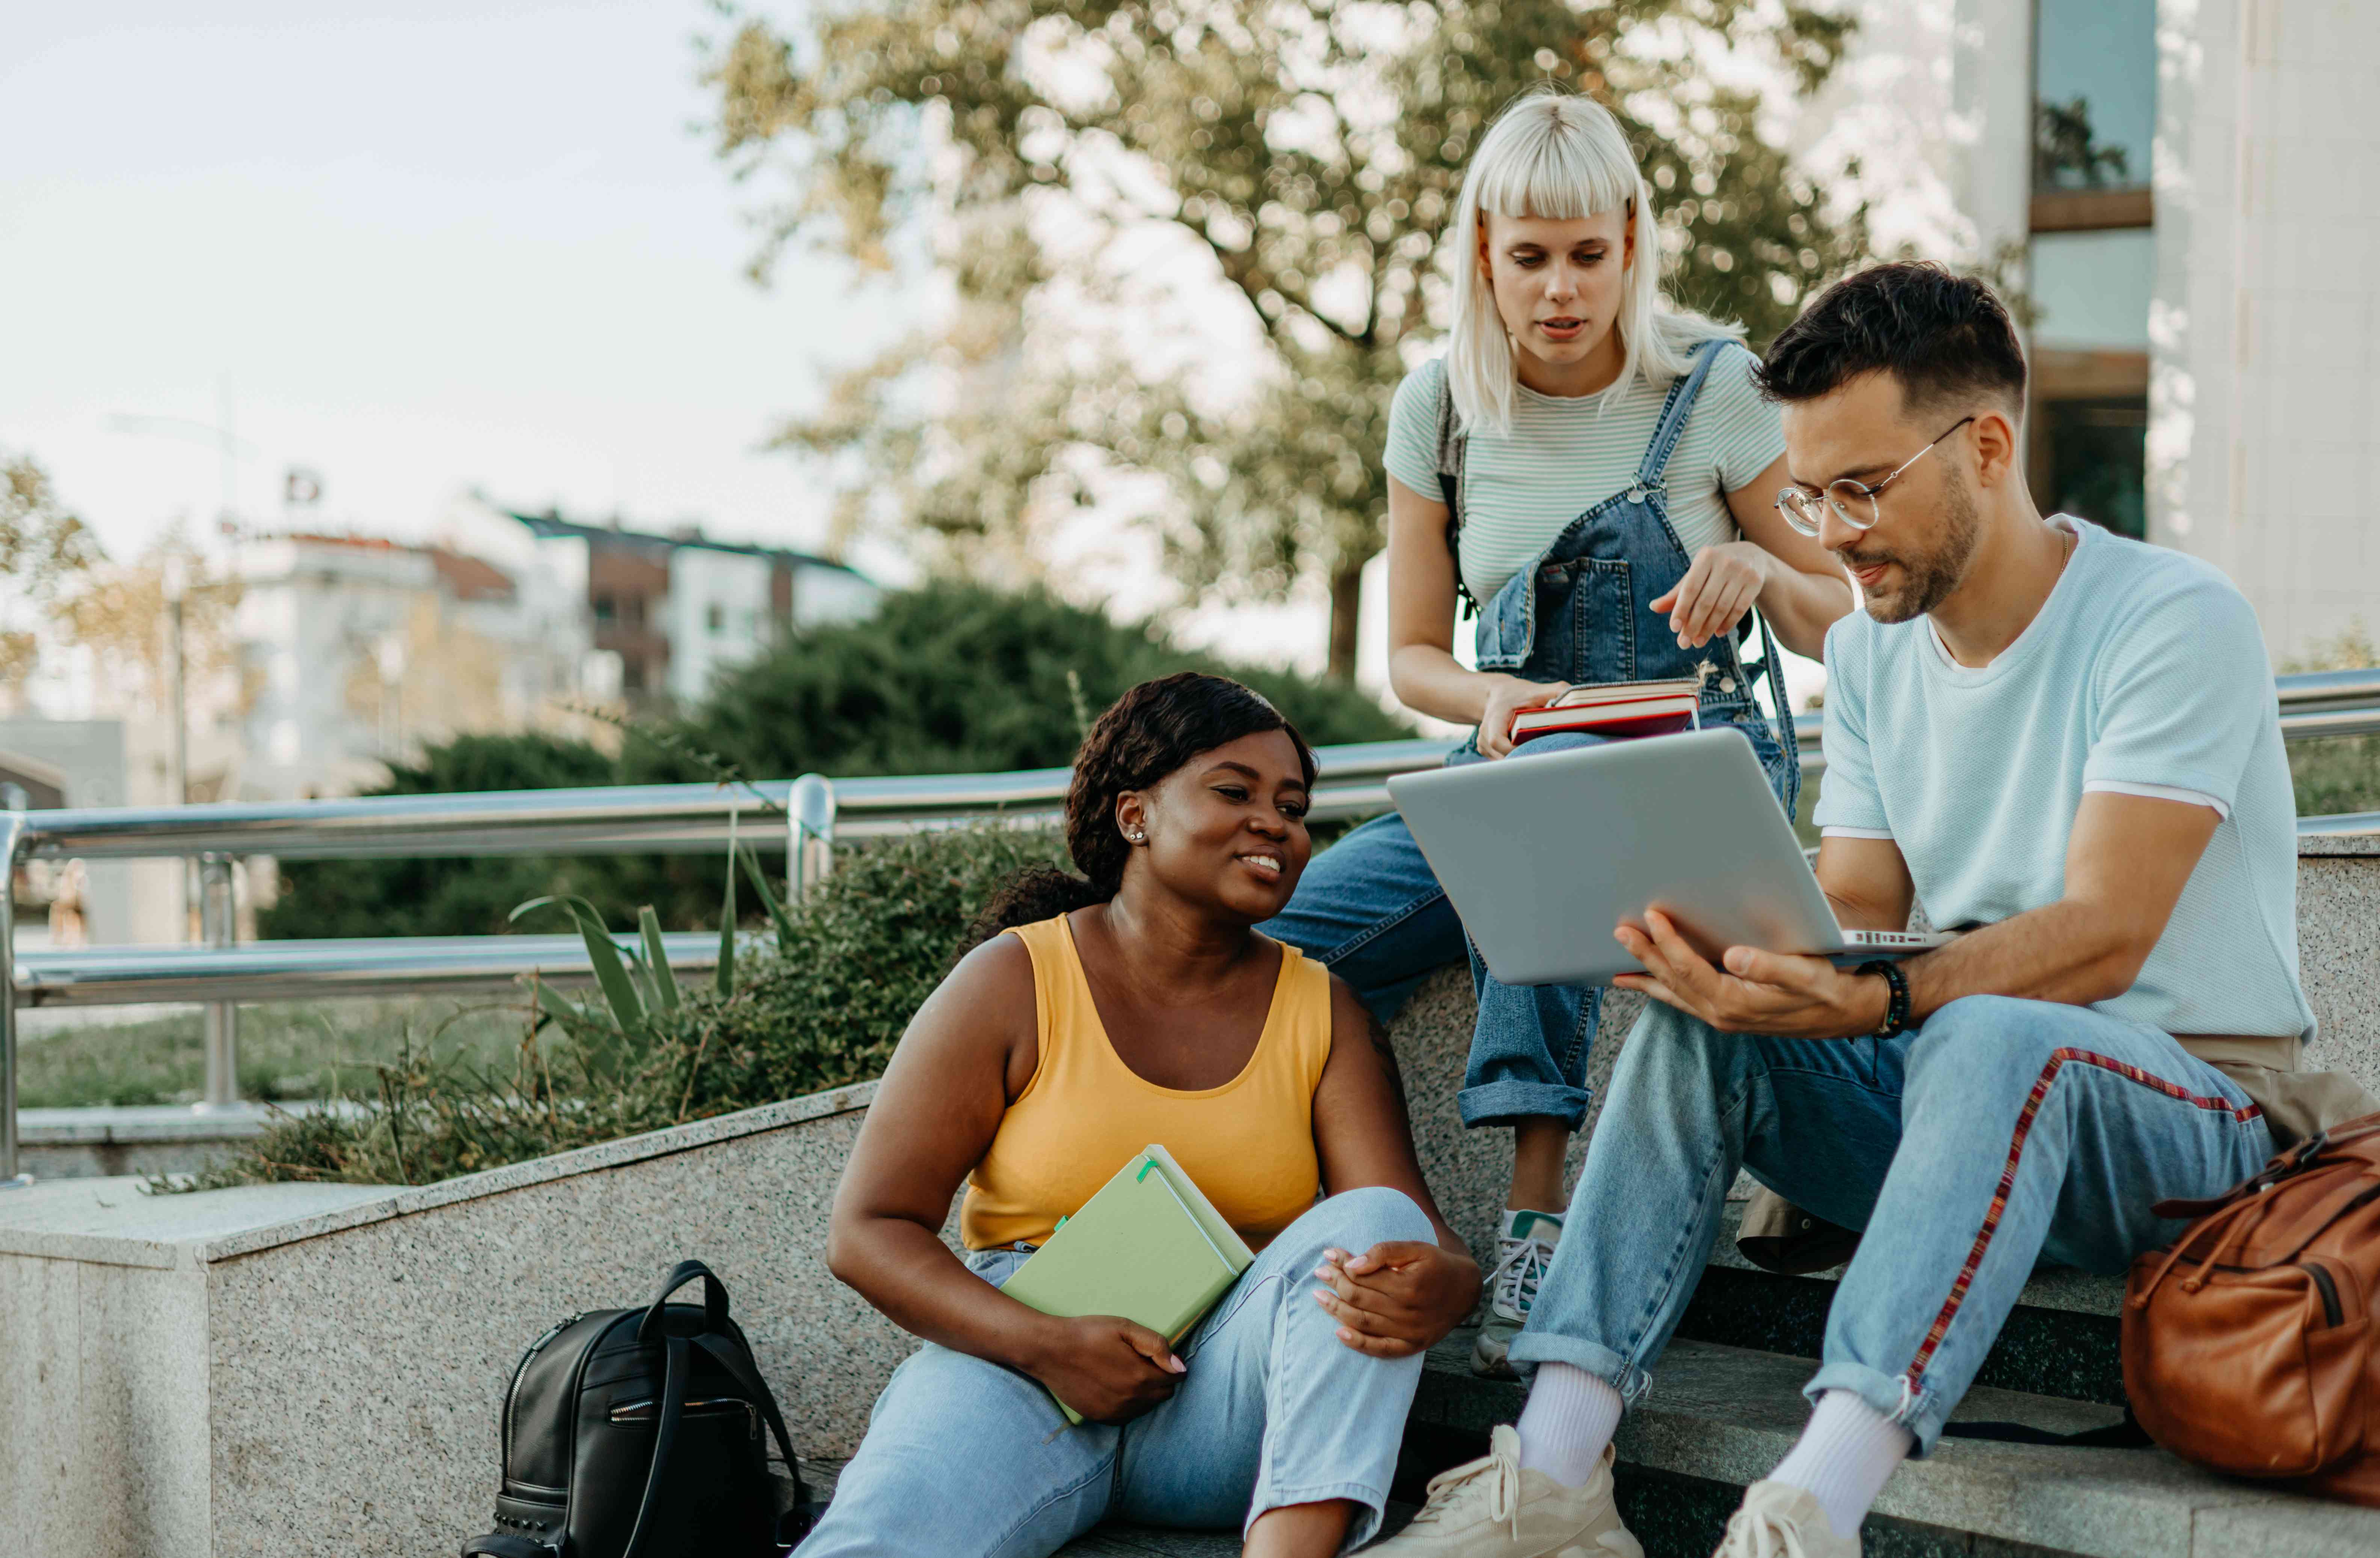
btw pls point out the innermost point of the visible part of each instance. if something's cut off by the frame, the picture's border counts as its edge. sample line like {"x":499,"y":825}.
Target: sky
{"x":414,"y":247}
{"x":424,"y":248}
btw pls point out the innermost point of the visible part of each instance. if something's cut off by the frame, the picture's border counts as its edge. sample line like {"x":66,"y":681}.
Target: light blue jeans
{"x":1371,"y":911}
{"x":966,"y":1459}
{"x":2002,"y":1133}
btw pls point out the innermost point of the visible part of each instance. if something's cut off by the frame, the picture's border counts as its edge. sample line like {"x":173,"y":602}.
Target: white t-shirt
{"x":1565,"y":454}
{"x":2146,"y":674}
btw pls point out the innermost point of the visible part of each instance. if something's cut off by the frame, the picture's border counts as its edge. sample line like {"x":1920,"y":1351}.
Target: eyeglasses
{"x":1853,"y":501}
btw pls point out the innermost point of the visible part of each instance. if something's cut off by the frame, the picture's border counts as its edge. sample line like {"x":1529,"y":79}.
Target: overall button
{"x":1635,"y":495}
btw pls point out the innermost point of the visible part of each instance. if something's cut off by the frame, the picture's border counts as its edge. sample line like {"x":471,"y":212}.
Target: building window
{"x":2092,"y":257}
{"x":632,"y":674}
{"x":607,"y":608}
{"x":714,"y":616}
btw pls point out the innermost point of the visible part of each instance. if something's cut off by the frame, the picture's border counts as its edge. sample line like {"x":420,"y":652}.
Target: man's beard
{"x":1928,"y":579}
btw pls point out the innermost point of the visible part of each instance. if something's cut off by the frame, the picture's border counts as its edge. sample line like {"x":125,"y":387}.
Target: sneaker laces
{"x":1501,"y":1466}
{"x":1751,"y":1534}
{"x":1521,"y":1265}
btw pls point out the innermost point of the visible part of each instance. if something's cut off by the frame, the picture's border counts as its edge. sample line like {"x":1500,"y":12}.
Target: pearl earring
{"x":1136,"y":836}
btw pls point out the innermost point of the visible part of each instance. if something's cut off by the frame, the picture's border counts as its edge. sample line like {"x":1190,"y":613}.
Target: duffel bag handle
{"x":714,"y":1299}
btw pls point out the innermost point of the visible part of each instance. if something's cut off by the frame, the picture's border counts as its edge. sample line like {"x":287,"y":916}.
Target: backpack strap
{"x":664,"y":1437}
{"x":732,"y":1360}
{"x":1449,"y":443}
{"x":714,"y":1299}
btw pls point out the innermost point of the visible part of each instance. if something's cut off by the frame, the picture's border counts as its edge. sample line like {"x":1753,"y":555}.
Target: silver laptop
{"x":1543,"y":857}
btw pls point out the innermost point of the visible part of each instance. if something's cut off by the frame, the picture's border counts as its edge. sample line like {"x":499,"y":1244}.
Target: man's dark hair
{"x":1945,"y":336}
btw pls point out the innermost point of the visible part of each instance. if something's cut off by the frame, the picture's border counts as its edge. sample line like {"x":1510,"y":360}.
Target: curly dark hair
{"x":1945,"y":336}
{"x":1152,"y":730}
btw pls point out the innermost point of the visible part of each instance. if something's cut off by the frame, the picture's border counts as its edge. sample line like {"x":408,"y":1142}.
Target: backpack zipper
{"x":512,"y":1391}
{"x":642,"y":1410}
{"x":2331,"y":1313}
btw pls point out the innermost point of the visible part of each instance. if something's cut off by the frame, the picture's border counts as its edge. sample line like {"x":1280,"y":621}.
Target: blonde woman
{"x":1590,"y":470}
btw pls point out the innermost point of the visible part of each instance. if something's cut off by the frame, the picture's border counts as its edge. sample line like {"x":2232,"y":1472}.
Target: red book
{"x":1616,"y":710}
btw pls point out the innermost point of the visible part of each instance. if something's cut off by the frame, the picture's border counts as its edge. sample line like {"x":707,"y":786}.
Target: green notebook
{"x":1149,"y":1246}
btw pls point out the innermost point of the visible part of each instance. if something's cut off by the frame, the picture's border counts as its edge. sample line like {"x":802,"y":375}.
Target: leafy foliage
{"x":948,"y":678}
{"x":2339,"y":773}
{"x":822,"y":1005}
{"x":1069,"y":162}
{"x":418,"y":897}
{"x":45,"y":549}
{"x":957,"y":678}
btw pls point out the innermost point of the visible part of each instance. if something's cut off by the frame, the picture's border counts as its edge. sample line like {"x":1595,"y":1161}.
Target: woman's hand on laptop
{"x":1508,"y":696}
{"x":1396,"y":1299}
{"x":1773,"y":992}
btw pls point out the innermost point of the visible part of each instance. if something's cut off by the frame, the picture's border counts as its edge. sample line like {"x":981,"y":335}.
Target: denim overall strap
{"x":1655,"y":466}
{"x":1649,"y":478}
{"x":1450,"y":443}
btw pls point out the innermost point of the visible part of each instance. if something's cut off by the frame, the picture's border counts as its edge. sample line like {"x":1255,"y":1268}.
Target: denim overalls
{"x":1369,"y":907}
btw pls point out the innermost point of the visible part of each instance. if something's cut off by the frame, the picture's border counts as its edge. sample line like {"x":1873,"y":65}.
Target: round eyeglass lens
{"x":1804,"y":512}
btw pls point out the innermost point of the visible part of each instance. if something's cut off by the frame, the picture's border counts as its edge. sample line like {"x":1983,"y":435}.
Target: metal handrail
{"x":620,"y":818}
{"x":654,"y":819}
{"x":2313,"y":704}
{"x":136,"y":976}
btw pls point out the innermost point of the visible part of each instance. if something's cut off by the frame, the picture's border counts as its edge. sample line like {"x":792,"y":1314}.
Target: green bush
{"x":2337,"y":774}
{"x":820,"y":1003}
{"x":947,"y":678}
{"x":957,"y":678}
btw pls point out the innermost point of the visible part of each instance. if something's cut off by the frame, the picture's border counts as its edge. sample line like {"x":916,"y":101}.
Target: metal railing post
{"x":809,"y":828}
{"x":219,"y":925}
{"x":12,"y":841}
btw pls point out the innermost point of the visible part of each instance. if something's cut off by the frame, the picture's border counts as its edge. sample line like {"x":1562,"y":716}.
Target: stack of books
{"x":1616,"y":710}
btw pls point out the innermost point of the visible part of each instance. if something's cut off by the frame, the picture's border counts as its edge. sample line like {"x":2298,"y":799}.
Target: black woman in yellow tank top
{"x":1135,"y":1003}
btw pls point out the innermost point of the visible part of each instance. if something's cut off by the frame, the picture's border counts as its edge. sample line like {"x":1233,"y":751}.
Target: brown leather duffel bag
{"x":2248,"y":1344}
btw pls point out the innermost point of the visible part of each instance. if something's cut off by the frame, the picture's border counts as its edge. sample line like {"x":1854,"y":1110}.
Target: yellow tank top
{"x":1248,"y":1144}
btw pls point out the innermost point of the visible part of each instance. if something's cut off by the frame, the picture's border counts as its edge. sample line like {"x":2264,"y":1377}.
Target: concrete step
{"x":2062,"y":1339}
{"x":1719,"y":1418}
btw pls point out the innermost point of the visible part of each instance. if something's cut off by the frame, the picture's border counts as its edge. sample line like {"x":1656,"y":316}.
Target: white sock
{"x":1843,"y":1458}
{"x":1571,"y":1415}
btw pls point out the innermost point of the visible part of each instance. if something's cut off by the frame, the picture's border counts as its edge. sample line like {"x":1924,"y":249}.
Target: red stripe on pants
{"x":2057,"y":1059}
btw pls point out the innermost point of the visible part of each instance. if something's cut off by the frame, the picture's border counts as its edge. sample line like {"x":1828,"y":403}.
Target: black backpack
{"x":636,"y":1433}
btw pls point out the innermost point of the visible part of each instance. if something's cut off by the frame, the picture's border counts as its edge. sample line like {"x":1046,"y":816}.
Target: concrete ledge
{"x":311,"y":1368}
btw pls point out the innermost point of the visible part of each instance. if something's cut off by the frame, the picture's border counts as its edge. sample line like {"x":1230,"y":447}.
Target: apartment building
{"x":676,"y":609}
{"x":2184,"y":190}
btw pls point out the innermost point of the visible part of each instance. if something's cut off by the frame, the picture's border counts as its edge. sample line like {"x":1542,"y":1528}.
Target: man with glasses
{"x":2066,"y":739}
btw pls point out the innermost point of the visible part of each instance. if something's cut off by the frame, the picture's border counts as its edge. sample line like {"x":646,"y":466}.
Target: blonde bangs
{"x":1554,"y":154}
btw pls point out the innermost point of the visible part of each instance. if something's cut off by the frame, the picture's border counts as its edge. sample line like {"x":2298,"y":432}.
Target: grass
{"x":287,"y":1050}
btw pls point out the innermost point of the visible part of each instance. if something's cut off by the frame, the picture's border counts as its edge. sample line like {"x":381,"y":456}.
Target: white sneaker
{"x":1779,"y":1520}
{"x":1490,"y":1508}
{"x":1523,"y":1250}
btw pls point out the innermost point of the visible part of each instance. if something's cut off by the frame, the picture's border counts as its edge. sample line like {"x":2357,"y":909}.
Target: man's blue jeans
{"x":2001,"y":1133}
{"x":964,"y":1459}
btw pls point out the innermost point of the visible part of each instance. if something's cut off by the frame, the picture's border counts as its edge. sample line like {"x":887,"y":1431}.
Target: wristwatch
{"x":1896,"y":1008}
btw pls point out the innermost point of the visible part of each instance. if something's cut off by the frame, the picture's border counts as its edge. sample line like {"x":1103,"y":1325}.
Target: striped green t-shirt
{"x":1563,"y":458}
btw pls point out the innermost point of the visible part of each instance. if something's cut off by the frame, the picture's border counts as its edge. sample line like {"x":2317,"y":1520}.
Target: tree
{"x":45,"y":551}
{"x":1298,"y":159}
{"x":944,"y":679}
